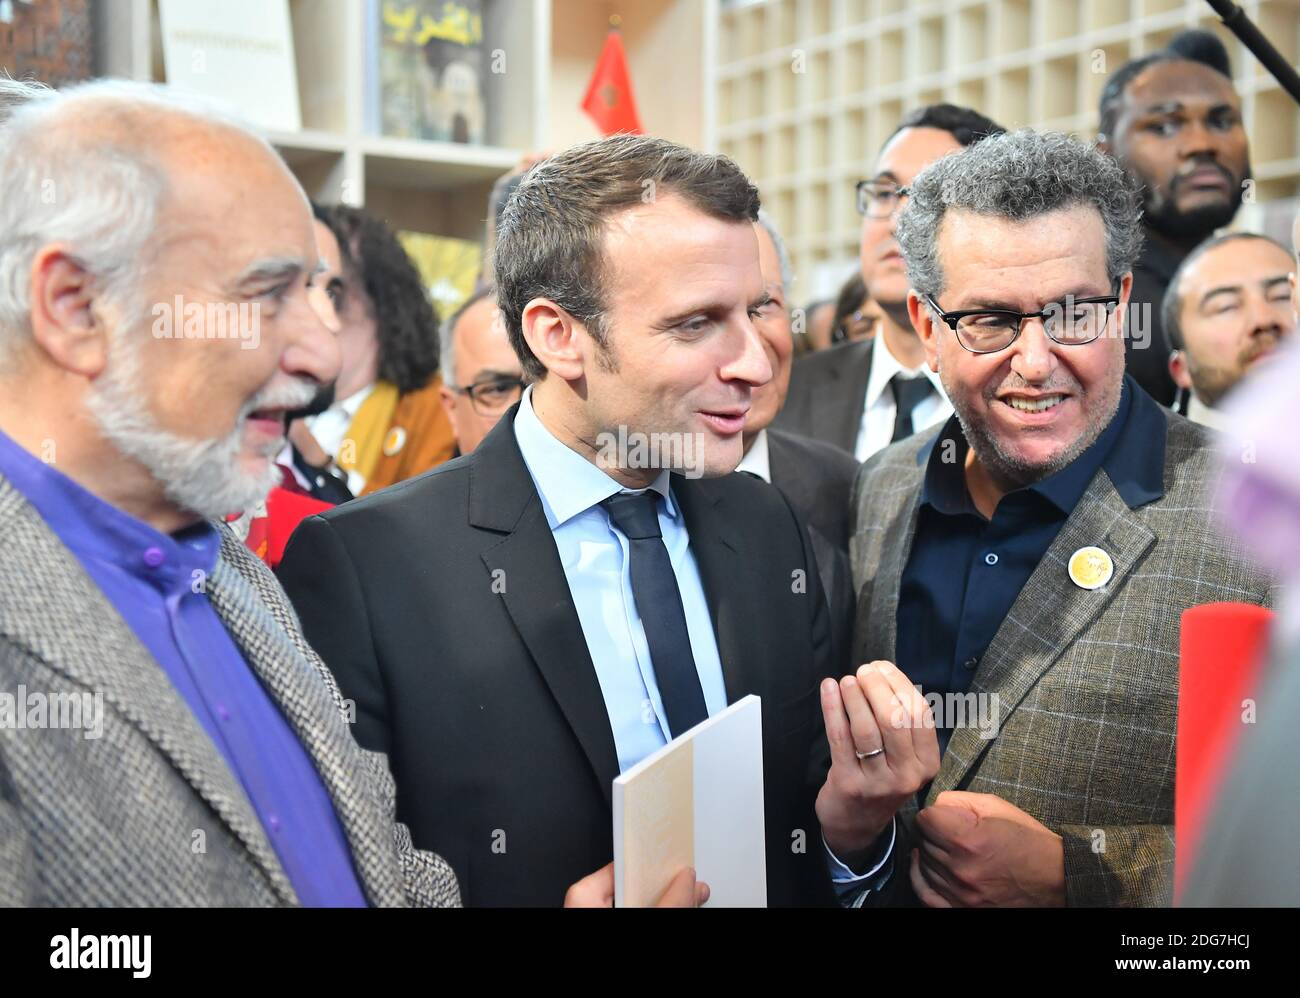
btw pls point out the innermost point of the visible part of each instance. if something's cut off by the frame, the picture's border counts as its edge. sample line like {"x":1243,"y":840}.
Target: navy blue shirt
{"x":964,"y":572}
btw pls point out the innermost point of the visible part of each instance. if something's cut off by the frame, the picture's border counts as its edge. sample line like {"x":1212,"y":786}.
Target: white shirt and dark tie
{"x":581,"y":503}
{"x":919,"y":388}
{"x":597,"y":563}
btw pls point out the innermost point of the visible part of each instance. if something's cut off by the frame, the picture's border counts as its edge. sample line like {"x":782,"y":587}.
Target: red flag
{"x":609,"y":101}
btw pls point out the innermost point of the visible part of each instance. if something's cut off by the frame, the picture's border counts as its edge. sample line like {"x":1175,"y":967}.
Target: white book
{"x":239,"y":52}
{"x":696,"y":802}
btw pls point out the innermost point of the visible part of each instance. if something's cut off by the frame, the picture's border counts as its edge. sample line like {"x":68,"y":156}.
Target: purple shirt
{"x":149,"y":577}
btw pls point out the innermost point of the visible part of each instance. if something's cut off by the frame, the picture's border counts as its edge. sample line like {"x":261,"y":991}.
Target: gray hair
{"x":447,"y":334}
{"x":93,"y":189}
{"x":782,"y":254}
{"x":1018,"y":176}
{"x":16,"y":93}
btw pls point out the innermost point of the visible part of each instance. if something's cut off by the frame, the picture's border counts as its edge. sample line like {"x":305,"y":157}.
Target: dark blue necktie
{"x":659,"y":602}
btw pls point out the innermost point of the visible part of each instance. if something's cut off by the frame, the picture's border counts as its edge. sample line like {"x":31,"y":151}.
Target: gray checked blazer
{"x":1086,"y":681}
{"x":149,"y":813}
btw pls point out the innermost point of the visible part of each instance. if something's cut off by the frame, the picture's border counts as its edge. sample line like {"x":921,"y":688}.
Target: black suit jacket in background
{"x":1149,"y":365}
{"x":442,"y":607}
{"x":817,"y":478}
{"x":828,"y":392}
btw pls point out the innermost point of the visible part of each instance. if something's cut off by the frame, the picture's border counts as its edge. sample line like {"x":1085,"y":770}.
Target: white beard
{"x":201,"y":476}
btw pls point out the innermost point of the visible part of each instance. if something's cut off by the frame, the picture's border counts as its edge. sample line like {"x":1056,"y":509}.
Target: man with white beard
{"x":134,"y":414}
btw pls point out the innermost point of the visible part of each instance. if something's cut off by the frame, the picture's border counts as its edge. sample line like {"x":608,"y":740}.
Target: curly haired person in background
{"x":385,"y":422}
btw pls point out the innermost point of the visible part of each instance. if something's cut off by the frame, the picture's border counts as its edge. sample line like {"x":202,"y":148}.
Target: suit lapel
{"x":727,"y":584}
{"x":1048,"y":616}
{"x":536,"y":593}
{"x":61,"y":616}
{"x":839,"y":417}
{"x":877,"y":620}
{"x":304,"y":698}
{"x":787,"y":469}
{"x":537,"y":598}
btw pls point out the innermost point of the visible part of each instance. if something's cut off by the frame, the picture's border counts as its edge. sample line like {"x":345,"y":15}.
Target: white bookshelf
{"x":428,"y":186}
{"x":550,"y":49}
{"x":808,"y":137}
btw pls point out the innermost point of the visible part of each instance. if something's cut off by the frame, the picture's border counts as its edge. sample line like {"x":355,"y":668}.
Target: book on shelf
{"x":425,"y":61}
{"x":239,"y":52}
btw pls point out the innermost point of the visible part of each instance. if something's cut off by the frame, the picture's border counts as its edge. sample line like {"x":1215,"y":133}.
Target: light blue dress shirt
{"x":596,"y":564}
{"x":595,"y":556}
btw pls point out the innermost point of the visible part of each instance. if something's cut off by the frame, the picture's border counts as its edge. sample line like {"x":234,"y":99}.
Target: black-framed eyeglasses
{"x":880,"y":198}
{"x":1073,"y":322}
{"x":491,"y":398}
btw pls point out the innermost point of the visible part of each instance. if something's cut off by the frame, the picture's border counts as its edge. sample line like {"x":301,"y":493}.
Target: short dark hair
{"x":1171,"y":306}
{"x":1195,"y":45}
{"x":964,"y":124}
{"x":550,"y":242}
{"x":405,"y":319}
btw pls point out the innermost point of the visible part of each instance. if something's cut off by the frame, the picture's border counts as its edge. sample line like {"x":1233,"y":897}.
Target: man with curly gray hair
{"x":1025,"y":565}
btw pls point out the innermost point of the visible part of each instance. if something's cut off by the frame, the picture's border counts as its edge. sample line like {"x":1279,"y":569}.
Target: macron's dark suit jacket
{"x":828,"y":391}
{"x":818,"y":478}
{"x":442,"y":607}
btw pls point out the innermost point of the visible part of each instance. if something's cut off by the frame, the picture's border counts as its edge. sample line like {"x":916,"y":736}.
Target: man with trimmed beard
{"x":1172,"y":119}
{"x":159,"y":315}
{"x":1228,"y":307}
{"x":1032,"y":557}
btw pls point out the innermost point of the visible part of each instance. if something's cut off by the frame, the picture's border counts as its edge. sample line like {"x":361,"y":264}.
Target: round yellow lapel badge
{"x":1091,"y":568}
{"x":395,"y":441}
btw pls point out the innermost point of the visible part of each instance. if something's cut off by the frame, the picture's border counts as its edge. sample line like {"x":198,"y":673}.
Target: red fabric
{"x":288,"y":482}
{"x":1221,"y":648}
{"x":269,"y":535}
{"x":609,"y":101}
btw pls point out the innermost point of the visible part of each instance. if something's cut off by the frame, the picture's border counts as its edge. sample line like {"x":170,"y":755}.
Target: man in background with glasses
{"x":481,"y":376}
{"x":861,"y":396}
{"x":1025,"y":565}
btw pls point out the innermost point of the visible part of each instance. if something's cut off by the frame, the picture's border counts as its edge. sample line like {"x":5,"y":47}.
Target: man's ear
{"x":448,"y":399}
{"x":1103,"y":144}
{"x":1178,"y":370}
{"x":554,"y":337}
{"x":1139,"y":331}
{"x":66,"y":325}
{"x":1125,"y":289}
{"x":918,"y":311}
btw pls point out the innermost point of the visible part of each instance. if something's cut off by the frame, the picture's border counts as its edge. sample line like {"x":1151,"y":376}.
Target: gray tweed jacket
{"x":149,"y":813}
{"x":1086,"y":682}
